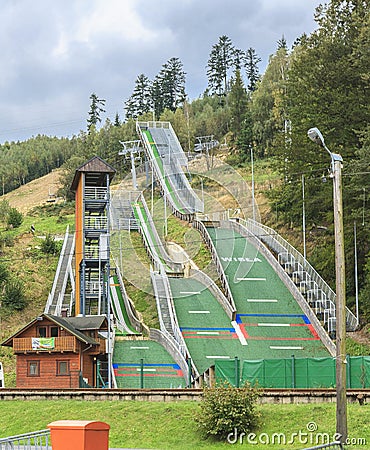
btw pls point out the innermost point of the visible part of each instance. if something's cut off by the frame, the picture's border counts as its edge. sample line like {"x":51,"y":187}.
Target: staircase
{"x":122,"y":215}
{"x":161,"y":294}
{"x":56,"y":300}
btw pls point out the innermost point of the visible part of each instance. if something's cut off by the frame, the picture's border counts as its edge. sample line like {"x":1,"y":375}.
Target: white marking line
{"x":199,"y":312}
{"x":139,"y":348}
{"x":239,"y":333}
{"x":147,"y":370}
{"x":251,"y":279}
{"x":266,"y":324}
{"x":281,"y":347}
{"x":218,"y":357}
{"x":208,"y":332}
{"x":261,"y":300}
{"x":190,"y":292}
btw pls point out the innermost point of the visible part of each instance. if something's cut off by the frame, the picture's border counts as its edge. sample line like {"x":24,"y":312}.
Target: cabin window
{"x":53,"y":331}
{"x":47,"y":331}
{"x":62,"y":367}
{"x":33,"y":368}
{"x":41,"y":331}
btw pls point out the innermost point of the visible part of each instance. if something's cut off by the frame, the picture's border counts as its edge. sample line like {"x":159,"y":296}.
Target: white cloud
{"x":55,"y":53}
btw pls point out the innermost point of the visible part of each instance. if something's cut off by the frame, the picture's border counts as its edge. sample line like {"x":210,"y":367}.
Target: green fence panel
{"x":314,"y":372}
{"x":297,"y":373}
{"x":358,"y":372}
{"x":225,"y":371}
{"x":278,"y":373}
{"x":253,"y":372}
{"x":321,"y":373}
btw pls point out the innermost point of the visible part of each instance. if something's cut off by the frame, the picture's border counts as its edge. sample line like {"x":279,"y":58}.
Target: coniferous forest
{"x":322,"y":80}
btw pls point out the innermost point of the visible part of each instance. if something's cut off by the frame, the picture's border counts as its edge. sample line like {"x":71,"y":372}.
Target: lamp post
{"x":340,"y":308}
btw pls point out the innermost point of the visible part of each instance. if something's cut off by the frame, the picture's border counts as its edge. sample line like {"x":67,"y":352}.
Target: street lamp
{"x":340,"y":308}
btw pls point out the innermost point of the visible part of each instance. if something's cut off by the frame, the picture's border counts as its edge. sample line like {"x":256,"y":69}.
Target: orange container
{"x":79,"y":435}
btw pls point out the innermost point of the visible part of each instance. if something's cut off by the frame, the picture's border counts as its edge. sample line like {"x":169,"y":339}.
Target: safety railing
{"x":37,"y":440}
{"x":65,"y":259}
{"x":95,"y":193}
{"x":333,"y":445}
{"x":133,"y":314}
{"x":176,"y":267}
{"x":168,"y":342}
{"x":121,"y":213}
{"x":198,"y":225}
{"x":95,"y":223}
{"x":57,"y":344}
{"x":176,"y":332}
{"x":293,"y":263}
{"x":168,"y":166}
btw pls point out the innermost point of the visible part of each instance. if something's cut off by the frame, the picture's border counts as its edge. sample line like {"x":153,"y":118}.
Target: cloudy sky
{"x":55,"y":53}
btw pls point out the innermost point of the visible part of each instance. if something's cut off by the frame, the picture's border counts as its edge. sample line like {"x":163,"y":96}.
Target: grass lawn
{"x":173,"y":425}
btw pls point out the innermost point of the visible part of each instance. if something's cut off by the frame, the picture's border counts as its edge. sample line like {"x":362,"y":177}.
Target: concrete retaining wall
{"x":271,"y":396}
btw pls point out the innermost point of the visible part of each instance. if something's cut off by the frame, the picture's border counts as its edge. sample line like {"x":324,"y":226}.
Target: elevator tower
{"x":91,"y":185}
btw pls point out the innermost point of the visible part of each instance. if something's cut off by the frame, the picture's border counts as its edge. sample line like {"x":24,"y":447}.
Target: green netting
{"x":314,"y":372}
{"x":228,"y":370}
{"x":296,"y":372}
{"x":358,"y":372}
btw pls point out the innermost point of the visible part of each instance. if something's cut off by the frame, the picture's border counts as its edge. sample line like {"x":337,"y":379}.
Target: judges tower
{"x":91,"y":185}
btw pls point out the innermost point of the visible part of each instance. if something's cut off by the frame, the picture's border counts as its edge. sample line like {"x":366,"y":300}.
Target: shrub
{"x":14,"y":218}
{"x":14,"y":298}
{"x":224,"y":408}
{"x":4,"y":273}
{"x":49,"y":246}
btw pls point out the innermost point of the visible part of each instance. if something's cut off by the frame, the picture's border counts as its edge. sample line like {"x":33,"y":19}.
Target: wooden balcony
{"x":61,"y":344}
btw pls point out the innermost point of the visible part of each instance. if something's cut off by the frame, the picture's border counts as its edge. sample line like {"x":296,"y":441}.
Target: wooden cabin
{"x":60,"y":352}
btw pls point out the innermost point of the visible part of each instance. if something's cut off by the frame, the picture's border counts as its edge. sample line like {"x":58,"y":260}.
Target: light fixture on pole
{"x":340,"y":308}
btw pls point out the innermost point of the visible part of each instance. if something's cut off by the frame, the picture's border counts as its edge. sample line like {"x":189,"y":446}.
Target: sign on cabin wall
{"x":43,"y":343}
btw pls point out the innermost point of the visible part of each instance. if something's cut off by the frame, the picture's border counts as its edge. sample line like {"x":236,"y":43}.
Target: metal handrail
{"x":37,"y":440}
{"x":197,"y":224}
{"x":162,"y":172}
{"x":95,"y":193}
{"x":267,"y":234}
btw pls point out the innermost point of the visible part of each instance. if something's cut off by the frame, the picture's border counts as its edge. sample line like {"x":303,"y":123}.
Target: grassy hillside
{"x":174,"y":426}
{"x":24,"y":259}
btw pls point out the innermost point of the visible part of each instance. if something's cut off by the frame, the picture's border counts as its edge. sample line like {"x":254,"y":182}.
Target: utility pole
{"x":253,"y":198}
{"x":340,"y":306}
{"x":304,"y":219}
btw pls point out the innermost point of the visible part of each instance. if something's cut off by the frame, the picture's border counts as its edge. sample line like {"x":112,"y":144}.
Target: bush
{"x":224,"y":409}
{"x":49,"y":246}
{"x":14,"y":298}
{"x":4,"y":273}
{"x":14,"y":219}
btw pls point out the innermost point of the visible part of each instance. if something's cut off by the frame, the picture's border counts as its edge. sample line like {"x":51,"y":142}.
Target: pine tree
{"x":251,"y":68}
{"x":140,"y":101}
{"x":117,"y":121}
{"x":220,"y":60}
{"x":238,"y":59}
{"x":238,"y":103}
{"x":281,"y":43}
{"x":96,"y":108}
{"x":168,"y":87}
